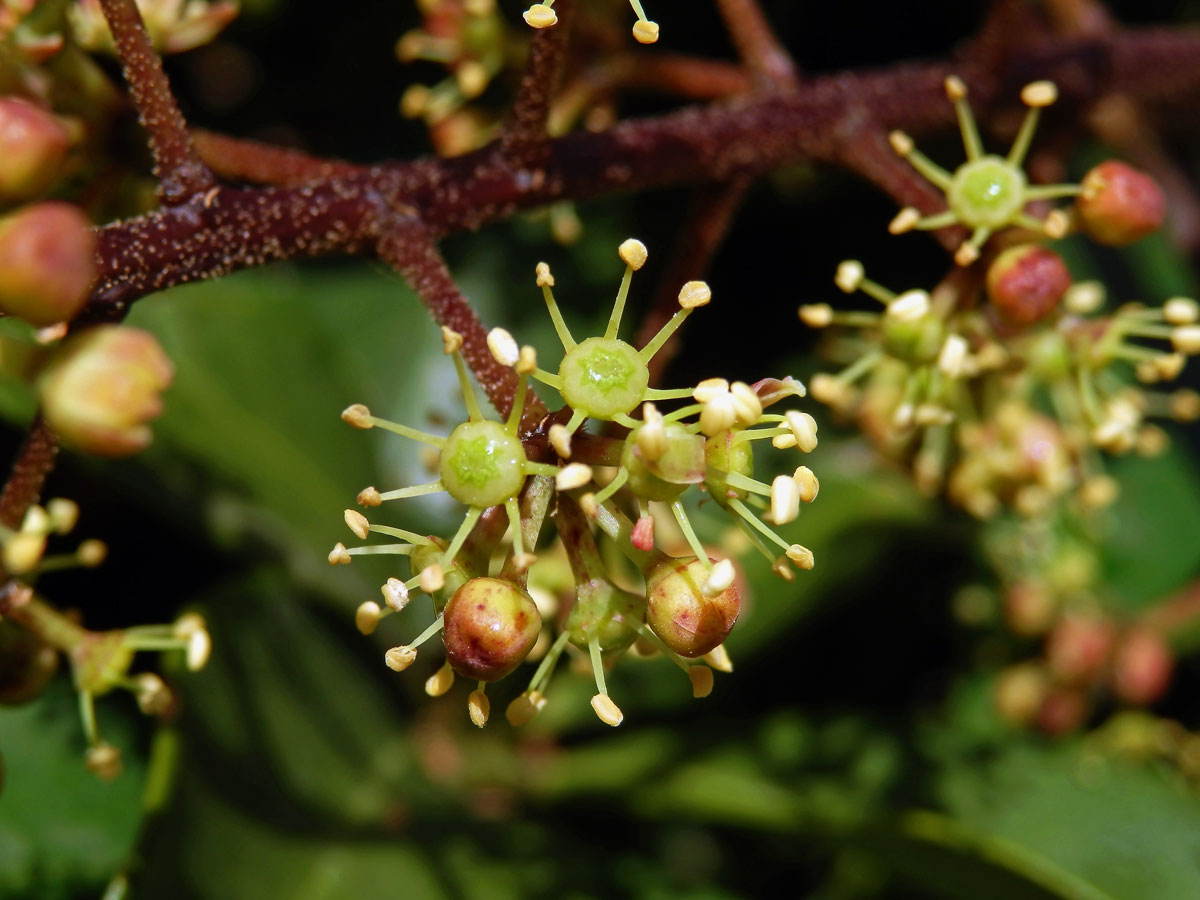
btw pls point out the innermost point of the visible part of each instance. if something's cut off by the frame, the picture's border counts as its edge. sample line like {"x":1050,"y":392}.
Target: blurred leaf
{"x":61,"y":828}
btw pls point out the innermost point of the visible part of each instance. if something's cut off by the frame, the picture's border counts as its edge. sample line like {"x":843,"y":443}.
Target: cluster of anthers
{"x":601,"y":490}
{"x":542,"y":15}
{"x":1005,"y":384}
{"x":101,"y":661}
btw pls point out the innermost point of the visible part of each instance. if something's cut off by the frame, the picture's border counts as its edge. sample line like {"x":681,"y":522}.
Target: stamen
{"x":546,"y":281}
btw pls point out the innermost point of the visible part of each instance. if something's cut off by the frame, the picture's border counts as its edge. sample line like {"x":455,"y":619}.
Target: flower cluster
{"x":1004,"y":385}
{"x":601,"y":489}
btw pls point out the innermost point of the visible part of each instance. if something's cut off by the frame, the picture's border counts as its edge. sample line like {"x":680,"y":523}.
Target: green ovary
{"x":987,"y":193}
{"x":603,"y":377}
{"x":482,"y":464}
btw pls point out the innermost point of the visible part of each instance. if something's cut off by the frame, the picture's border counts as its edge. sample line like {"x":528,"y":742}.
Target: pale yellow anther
{"x":693,"y":294}
{"x":524,"y":708}
{"x":1056,"y":224}
{"x":367,"y":616}
{"x":472,"y":78}
{"x":953,"y":355}
{"x":808,"y":483}
{"x":414,"y":100}
{"x":825,"y":388}
{"x":816,"y":315}
{"x":544,"y":278}
{"x":440,"y":681}
{"x":1099,"y":491}
{"x":645,"y":31}
{"x":23,"y":552}
{"x":153,"y":696}
{"x":901,"y":143}
{"x":849,"y":276}
{"x":720,"y":577}
{"x":452,"y":341}
{"x":710,"y":388}
{"x":540,"y":16}
{"x":782,"y":570}
{"x":1181,"y":311}
{"x":431,"y":579}
{"x":198,"y":649}
{"x":103,"y":761}
{"x":718,"y":414}
{"x":633,"y":253}
{"x":651,"y":437}
{"x":369,"y":496}
{"x":702,"y":681}
{"x":503,"y":347}
{"x":526,"y":360}
{"x":400,"y":658}
{"x":357,"y":415}
{"x":523,"y":562}
{"x":478,"y":707}
{"x":956,"y":89}
{"x":1084,"y":298}
{"x":749,"y":407}
{"x":1185,"y":405}
{"x":395,"y":594}
{"x":91,"y":553}
{"x":572,"y":476}
{"x":588,"y":504}
{"x":1147,"y":372}
{"x":966,"y":254}
{"x":803,"y":428}
{"x":63,"y":514}
{"x":357,"y":523}
{"x":560,"y":440}
{"x":905,"y":220}
{"x":1039,"y":94}
{"x":785,"y":499}
{"x":1186,"y":339}
{"x":902,"y":417}
{"x":719,"y":659}
{"x":1169,"y":365}
{"x":338,"y":556}
{"x":930,"y":414}
{"x":607,"y":711}
{"x":801,"y":556}
{"x":1152,"y":441}
{"x":783,"y":441}
{"x":909,"y":306}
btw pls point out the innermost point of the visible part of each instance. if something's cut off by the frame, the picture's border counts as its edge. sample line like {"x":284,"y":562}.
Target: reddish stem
{"x":758,"y":46}
{"x":237,"y":159}
{"x":34,"y":462}
{"x":523,"y":141}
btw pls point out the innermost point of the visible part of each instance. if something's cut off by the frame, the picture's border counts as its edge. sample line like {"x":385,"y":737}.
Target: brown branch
{"x":34,"y":462}
{"x":237,"y":159}
{"x":706,"y":223}
{"x":179,"y":170}
{"x":409,"y":248}
{"x":524,"y":137}
{"x":758,"y":46}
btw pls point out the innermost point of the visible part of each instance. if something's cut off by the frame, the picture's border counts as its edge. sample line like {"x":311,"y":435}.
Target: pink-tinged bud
{"x":1079,"y":648}
{"x":1064,"y":710}
{"x":679,"y":612}
{"x":100,"y":388}
{"x":33,"y":144}
{"x":1029,"y":608}
{"x":47,"y":262}
{"x":1026,"y":283}
{"x":490,"y":625}
{"x":1119,"y":204}
{"x":1142,"y":669}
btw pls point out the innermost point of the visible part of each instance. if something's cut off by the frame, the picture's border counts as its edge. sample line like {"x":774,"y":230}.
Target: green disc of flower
{"x":482,"y":464}
{"x":603,"y":377}
{"x":987,"y":193}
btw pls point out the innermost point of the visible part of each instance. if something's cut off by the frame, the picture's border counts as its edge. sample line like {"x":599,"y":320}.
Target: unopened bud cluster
{"x":601,"y":491}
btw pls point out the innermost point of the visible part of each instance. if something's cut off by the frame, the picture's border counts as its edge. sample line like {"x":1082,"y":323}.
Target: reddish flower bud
{"x":1142,"y":668}
{"x":101,"y":387}
{"x":1079,"y":648}
{"x":47,"y":263}
{"x":1119,"y":204}
{"x":1025,"y":284}
{"x":490,"y":627}
{"x":33,"y":144}
{"x":1063,"y":711}
{"x":678,"y":611}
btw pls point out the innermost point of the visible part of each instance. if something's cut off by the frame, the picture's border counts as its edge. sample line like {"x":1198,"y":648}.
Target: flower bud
{"x":1079,"y":648}
{"x":490,"y":627}
{"x":33,"y":144}
{"x":679,"y":612}
{"x":101,"y":387}
{"x":1119,"y":204}
{"x":1026,"y":283}
{"x":1142,"y":667}
{"x":47,"y":262}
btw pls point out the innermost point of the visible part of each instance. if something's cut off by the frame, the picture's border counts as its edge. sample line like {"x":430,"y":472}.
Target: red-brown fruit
{"x":489,"y":627}
{"x":678,"y":612}
{"x":1026,"y":283}
{"x":1119,"y":204}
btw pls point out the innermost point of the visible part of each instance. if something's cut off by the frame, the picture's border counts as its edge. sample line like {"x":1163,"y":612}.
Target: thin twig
{"x":524,"y":137}
{"x":758,"y":46}
{"x":34,"y":462}
{"x":237,"y":159}
{"x":180,"y":172}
